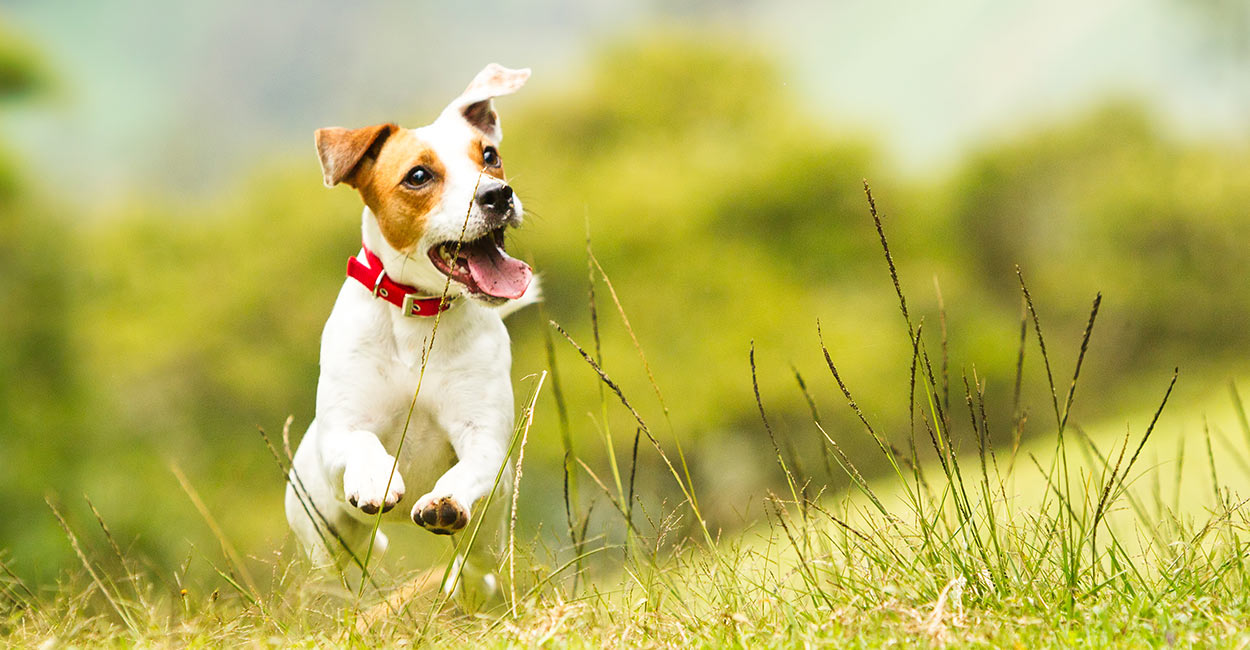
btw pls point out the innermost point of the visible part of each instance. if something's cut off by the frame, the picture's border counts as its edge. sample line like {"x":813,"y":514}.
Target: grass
{"x":1080,"y":537}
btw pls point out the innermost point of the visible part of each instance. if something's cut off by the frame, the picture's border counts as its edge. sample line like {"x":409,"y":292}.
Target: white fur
{"x":456,"y":440}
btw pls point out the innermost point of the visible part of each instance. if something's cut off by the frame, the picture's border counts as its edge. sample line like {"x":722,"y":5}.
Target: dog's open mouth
{"x":482,"y":266}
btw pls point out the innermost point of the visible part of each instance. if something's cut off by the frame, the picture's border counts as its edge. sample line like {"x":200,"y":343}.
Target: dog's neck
{"x":411,"y":335}
{"x":413,"y":271}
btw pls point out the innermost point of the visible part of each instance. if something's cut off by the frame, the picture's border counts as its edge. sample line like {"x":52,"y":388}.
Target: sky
{"x":189,"y":95}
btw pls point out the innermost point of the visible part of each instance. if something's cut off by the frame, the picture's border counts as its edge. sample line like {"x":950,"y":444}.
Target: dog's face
{"x":438,"y":192}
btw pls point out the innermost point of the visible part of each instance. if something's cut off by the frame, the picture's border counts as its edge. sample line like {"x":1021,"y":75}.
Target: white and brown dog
{"x":436,"y":209}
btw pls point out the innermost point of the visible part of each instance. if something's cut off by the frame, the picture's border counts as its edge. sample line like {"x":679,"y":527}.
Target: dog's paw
{"x":440,"y":515}
{"x":365,"y":484}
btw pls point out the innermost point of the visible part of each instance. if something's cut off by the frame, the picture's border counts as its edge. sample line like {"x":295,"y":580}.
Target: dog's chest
{"x":406,"y":420}
{"x":380,"y":373}
{"x":406,"y":384}
{"x":403,"y":398}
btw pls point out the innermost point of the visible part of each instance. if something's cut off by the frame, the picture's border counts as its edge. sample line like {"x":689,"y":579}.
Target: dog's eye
{"x":418,"y":176}
{"x":490,"y":157}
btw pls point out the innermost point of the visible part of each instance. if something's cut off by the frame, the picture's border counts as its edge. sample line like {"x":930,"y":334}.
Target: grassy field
{"x":1128,"y":533}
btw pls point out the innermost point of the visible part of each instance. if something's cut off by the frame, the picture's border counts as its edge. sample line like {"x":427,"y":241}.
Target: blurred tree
{"x":22,"y":70}
{"x":40,"y":388}
{"x":1108,"y":202}
{"x":720,"y":207}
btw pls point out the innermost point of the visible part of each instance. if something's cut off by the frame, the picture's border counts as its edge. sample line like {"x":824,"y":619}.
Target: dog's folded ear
{"x":342,"y":150}
{"x":474,"y":104}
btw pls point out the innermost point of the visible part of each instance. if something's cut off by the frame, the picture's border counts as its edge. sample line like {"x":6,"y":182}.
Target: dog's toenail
{"x":352,"y":500}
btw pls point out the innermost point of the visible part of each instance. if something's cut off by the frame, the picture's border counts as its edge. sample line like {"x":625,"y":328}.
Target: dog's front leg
{"x":338,"y":481}
{"x":369,"y":479}
{"x":480,"y":440}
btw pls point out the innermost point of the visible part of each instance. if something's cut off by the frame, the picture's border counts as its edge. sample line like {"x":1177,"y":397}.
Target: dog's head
{"x":438,"y":192}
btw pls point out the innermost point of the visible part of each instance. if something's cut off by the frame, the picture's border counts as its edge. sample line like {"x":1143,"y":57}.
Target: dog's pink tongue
{"x":497,"y":274}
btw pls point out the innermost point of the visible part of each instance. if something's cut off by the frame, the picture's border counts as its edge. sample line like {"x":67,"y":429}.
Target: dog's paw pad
{"x":442,"y":516}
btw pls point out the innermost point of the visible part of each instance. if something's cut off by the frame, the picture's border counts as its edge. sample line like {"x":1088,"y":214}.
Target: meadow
{"x":1075,"y":538}
{"x":761,"y":405}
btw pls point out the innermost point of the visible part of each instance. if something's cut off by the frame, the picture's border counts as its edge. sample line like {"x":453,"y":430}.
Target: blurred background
{"x":168,"y":253}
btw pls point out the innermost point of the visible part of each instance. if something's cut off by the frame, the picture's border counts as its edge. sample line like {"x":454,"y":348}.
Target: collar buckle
{"x":414,"y":306}
{"x":411,"y":307}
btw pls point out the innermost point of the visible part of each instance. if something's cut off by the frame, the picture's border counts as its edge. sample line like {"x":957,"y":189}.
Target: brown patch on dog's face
{"x":402,"y":187}
{"x":478,"y":153}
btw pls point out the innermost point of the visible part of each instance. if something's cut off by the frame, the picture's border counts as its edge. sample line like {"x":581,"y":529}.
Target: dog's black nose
{"x":496,"y":197}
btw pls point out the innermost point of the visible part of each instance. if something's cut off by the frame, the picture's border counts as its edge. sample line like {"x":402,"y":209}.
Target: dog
{"x":436,"y":209}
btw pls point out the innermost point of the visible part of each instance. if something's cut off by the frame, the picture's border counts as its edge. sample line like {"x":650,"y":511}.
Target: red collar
{"x":403,"y":296}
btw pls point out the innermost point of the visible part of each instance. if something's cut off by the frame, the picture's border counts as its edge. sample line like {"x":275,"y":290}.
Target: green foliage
{"x":718,"y":208}
{"x":1108,"y":202}
{"x":22,"y":71}
{"x":41,"y":390}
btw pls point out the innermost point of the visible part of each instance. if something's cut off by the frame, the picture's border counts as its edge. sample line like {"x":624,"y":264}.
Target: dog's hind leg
{"x":473,"y":581}
{"x":329,"y":536}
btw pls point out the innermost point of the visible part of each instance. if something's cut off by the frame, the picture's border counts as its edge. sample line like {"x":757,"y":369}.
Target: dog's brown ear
{"x":474,"y":104}
{"x":342,"y":150}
